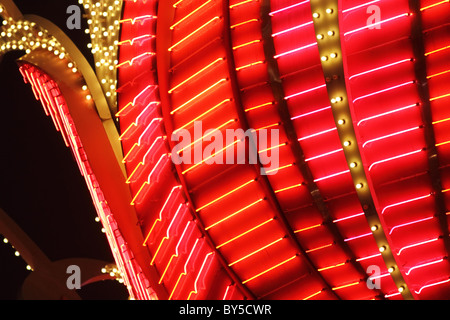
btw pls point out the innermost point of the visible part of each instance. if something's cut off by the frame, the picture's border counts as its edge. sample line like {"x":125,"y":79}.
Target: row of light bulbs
{"x":17,"y":253}
{"x":342,"y":122}
{"x":104,"y":28}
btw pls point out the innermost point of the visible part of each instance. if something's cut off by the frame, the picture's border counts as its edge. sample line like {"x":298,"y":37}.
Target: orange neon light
{"x":195,"y":291}
{"x":440,"y":97}
{"x":440,"y":121}
{"x":289,"y":188}
{"x":133,"y":20}
{"x":199,"y":95}
{"x":196,"y":74}
{"x":176,"y":251}
{"x":147,"y":182}
{"x":246,"y":44}
{"x":270,"y":269}
{"x":250,"y":65}
{"x":319,"y":248}
{"x":137,"y":39}
{"x":434,"y":5}
{"x":308,"y":228}
{"x":133,"y":103}
{"x":225,"y":195}
{"x":241,"y":3}
{"x":268,"y":126}
{"x":244,"y":233}
{"x":255,"y":252}
{"x":210,"y":157}
{"x":243,"y":23}
{"x":189,"y":15}
{"x":137,"y":58}
{"x":167,"y":237}
{"x":260,"y":106}
{"x":332,"y":267}
{"x":203,"y":114}
{"x":160,"y":214}
{"x":345,"y":286}
{"x":194,"y":32}
{"x":313,"y":295}
{"x":442,"y":143}
{"x":438,"y":74}
{"x":437,"y":50}
{"x":234,"y":214}
{"x":271,"y":148}
{"x":185,"y":269}
{"x":207,"y":135}
{"x":280,"y":168}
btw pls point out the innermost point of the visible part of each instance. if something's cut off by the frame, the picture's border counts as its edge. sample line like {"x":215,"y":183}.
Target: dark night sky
{"x":41,"y":186}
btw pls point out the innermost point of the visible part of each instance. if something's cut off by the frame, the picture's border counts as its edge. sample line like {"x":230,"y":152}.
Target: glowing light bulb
{"x":333,"y":55}
{"x":329,"y":11}
{"x":324,"y":58}
{"x":391,"y":269}
{"x":316,"y":15}
{"x":320,"y":36}
{"x":341,"y":122}
{"x":359,"y":186}
{"x":330,"y":33}
{"x":347,"y":143}
{"x":353,"y":165}
{"x":374,"y":228}
{"x":382,"y":248}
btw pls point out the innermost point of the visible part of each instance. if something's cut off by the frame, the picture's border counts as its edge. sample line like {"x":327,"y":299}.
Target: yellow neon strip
{"x":438,"y":74}
{"x":243,"y":234}
{"x":139,"y":191}
{"x":167,"y":267}
{"x":269,"y":126}
{"x":332,"y":267}
{"x":439,"y":121}
{"x":242,"y":23}
{"x":437,"y":50}
{"x":190,"y":14}
{"x":198,"y":95}
{"x":225,"y":195}
{"x":260,"y":106}
{"x":313,"y":295}
{"x":288,"y":188}
{"x":308,"y":228}
{"x":210,"y":157}
{"x":134,"y":171}
{"x":249,"y":65}
{"x":275,"y":147}
{"x":240,"y":3}
{"x":280,"y":168}
{"x":233,"y":214}
{"x":440,"y":97}
{"x":194,"y":32}
{"x":196,"y":74}
{"x":319,"y":248}
{"x":446,"y":190}
{"x":270,"y":269}
{"x":203,"y":114}
{"x":207,"y":135}
{"x":345,"y":286}
{"x":442,"y":143}
{"x":255,"y":252}
{"x":177,"y":3}
{"x":434,"y":5}
{"x":246,"y":44}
